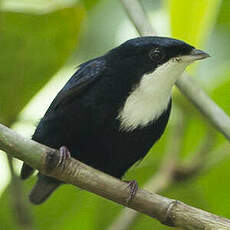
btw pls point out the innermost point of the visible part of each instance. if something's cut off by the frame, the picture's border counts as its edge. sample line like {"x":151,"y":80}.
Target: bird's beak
{"x":198,"y":55}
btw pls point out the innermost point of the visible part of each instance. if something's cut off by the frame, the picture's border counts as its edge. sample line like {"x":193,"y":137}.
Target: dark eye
{"x":156,"y":54}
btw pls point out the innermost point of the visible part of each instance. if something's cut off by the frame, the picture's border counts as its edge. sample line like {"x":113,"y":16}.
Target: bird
{"x":114,"y":108}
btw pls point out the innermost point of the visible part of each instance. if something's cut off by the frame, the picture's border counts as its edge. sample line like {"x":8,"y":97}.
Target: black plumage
{"x":84,"y":116}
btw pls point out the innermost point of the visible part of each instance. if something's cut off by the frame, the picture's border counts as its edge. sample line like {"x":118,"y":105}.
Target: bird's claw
{"x":64,"y":155}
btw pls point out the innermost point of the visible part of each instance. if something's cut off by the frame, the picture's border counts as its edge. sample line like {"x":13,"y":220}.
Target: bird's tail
{"x":43,"y":189}
{"x":26,"y":171}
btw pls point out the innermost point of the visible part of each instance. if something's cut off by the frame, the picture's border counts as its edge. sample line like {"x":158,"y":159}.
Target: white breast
{"x":147,"y":101}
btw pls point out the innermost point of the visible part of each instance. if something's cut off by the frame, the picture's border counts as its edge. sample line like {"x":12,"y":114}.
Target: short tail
{"x":26,"y":171}
{"x":43,"y":189}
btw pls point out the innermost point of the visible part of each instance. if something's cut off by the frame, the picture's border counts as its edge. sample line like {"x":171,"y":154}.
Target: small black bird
{"x":114,"y":108}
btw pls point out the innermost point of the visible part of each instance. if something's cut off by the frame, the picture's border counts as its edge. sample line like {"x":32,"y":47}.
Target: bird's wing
{"x":85,"y":75}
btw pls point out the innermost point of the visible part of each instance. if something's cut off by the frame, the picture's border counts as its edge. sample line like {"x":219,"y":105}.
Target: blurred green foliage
{"x":34,"y":47}
{"x":193,"y":21}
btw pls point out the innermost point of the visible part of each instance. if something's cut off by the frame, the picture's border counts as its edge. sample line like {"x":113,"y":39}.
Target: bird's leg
{"x":64,"y":155}
{"x":133,"y":187}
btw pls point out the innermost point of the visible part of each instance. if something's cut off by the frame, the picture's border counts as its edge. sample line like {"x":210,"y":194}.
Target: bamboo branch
{"x":216,"y":116}
{"x":167,"y":211}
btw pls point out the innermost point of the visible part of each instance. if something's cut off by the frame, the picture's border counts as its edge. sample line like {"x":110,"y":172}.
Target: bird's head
{"x":146,"y":54}
{"x":149,"y":67}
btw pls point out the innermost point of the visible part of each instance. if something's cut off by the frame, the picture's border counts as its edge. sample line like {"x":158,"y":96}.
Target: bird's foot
{"x":64,"y":155}
{"x":133,"y":187}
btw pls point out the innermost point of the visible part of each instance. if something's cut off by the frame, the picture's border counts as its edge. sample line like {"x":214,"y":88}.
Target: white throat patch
{"x":150,"y":98}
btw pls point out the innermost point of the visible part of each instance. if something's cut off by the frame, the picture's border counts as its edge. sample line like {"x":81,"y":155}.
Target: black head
{"x":147,"y":53}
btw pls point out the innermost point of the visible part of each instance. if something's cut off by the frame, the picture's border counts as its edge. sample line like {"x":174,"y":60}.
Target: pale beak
{"x":198,"y":55}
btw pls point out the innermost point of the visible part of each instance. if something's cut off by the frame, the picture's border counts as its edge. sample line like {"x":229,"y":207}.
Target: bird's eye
{"x":156,"y":55}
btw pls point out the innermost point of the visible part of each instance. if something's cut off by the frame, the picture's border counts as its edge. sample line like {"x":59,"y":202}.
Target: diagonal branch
{"x":216,"y":116}
{"x":167,"y":211}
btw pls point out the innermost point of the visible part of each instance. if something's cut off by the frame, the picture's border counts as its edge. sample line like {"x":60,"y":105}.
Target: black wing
{"x":85,"y":75}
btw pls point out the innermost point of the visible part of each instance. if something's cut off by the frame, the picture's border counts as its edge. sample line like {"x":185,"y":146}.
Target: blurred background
{"x":41,"y":44}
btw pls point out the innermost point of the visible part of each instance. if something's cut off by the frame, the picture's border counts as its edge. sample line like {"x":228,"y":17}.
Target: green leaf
{"x":224,"y":18}
{"x":192,"y":21}
{"x":90,"y":3}
{"x":33,"y":48}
